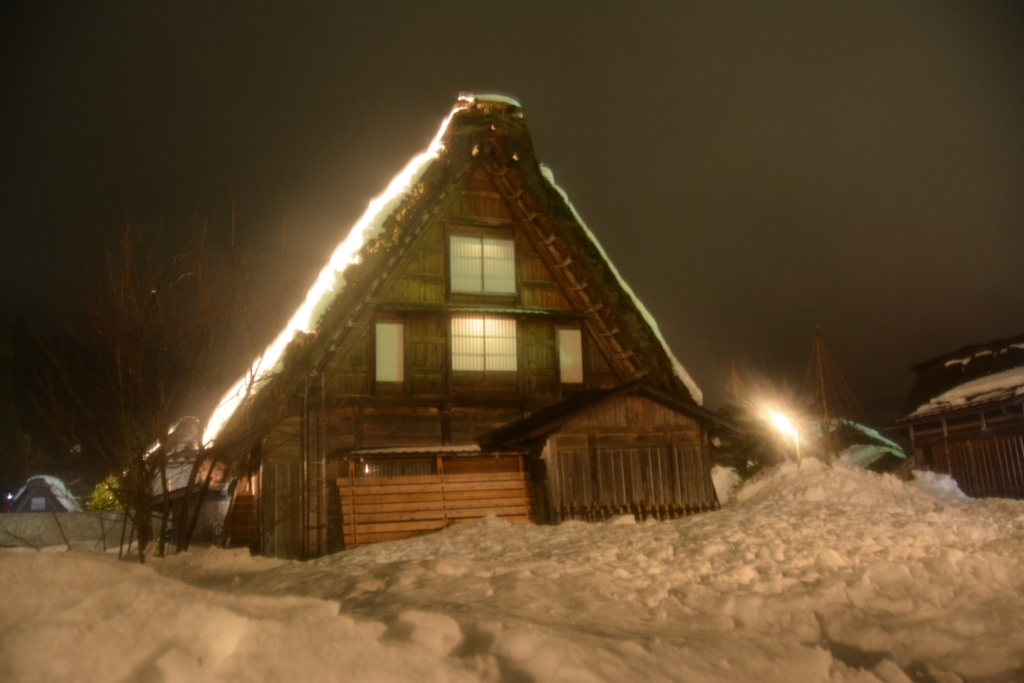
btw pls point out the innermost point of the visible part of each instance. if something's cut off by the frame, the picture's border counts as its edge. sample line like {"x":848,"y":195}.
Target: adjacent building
{"x":965,"y":417}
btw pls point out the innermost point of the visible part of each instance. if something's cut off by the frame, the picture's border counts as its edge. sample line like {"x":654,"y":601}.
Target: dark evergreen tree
{"x":749,"y":449}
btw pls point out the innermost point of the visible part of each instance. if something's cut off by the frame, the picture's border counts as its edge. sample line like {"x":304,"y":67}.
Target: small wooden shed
{"x":634,"y":450}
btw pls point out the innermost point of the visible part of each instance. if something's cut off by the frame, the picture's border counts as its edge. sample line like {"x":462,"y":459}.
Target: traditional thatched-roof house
{"x":965,"y":417}
{"x":467,"y":351}
{"x":43,"y":493}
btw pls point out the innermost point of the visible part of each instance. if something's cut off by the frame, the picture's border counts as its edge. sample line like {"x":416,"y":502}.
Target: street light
{"x":786,"y":427}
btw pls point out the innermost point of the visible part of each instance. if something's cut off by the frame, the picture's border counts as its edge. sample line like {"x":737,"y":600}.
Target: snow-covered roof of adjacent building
{"x":982,"y":391}
{"x":976,"y":375}
{"x":332,"y":281}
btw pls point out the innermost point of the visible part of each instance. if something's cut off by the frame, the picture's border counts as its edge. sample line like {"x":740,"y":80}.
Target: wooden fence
{"x":390,"y":508}
{"x":649,"y":483}
{"x":992,"y":467}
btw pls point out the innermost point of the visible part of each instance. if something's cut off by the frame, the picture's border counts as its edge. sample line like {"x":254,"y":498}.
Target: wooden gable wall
{"x":420,"y":297}
{"x":424,"y":280}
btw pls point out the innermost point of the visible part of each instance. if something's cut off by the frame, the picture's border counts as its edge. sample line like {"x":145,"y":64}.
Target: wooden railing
{"x":384,"y":509}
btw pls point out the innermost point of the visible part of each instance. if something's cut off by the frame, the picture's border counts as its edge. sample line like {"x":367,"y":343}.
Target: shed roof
{"x":548,"y":420}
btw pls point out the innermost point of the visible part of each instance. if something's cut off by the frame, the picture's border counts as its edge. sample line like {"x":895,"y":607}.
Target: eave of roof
{"x":971,"y":409}
{"x":547,"y":420}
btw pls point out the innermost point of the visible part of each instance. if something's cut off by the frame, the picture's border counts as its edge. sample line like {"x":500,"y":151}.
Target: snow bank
{"x":813,"y":574}
{"x":725,"y":479}
{"x":938,"y":485}
{"x":71,"y":617}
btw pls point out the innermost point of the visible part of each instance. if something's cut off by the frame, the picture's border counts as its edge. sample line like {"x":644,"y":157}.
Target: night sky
{"x":753,"y":170}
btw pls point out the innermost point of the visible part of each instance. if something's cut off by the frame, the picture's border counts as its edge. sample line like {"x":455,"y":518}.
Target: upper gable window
{"x":483,"y":265}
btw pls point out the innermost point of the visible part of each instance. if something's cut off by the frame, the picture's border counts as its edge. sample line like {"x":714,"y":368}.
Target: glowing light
{"x":328,"y":284}
{"x":781,"y":423}
{"x":785,"y":427}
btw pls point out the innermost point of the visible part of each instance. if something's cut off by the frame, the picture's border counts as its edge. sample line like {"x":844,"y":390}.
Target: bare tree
{"x":137,"y":359}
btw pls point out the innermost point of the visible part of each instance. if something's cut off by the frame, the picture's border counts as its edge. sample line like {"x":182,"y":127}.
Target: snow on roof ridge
{"x":489,"y":97}
{"x":680,"y":371}
{"x":328,"y":284}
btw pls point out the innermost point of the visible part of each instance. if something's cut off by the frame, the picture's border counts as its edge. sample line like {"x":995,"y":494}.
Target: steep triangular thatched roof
{"x":481,"y":132}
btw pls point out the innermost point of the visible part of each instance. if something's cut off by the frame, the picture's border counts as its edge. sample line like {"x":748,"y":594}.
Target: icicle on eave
{"x":677,"y":367}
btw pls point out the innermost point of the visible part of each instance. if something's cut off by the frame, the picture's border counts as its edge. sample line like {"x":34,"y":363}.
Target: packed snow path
{"x":813,"y":574}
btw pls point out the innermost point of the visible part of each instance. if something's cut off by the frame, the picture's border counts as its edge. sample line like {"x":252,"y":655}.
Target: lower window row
{"x":478,"y":343}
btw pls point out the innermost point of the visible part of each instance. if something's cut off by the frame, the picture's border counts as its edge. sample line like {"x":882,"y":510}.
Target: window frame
{"x":402,"y":341}
{"x":481,"y":235}
{"x":581,"y":357}
{"x":483,"y":371}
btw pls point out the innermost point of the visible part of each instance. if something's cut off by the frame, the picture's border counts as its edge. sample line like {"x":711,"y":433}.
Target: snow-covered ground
{"x":811,"y":574}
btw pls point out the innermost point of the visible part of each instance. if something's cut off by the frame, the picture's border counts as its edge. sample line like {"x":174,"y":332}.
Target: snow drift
{"x":813,"y":574}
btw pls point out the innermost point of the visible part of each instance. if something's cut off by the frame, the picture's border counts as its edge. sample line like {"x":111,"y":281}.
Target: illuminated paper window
{"x":483,"y":264}
{"x":390,"y":352}
{"x":483,"y":343}
{"x":570,"y":356}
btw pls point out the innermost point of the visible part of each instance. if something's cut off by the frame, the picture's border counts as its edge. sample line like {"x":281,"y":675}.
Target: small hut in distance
{"x":43,"y":493}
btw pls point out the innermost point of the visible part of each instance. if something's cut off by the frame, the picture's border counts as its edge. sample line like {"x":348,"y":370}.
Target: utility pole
{"x":735,"y":385}
{"x":826,"y":424}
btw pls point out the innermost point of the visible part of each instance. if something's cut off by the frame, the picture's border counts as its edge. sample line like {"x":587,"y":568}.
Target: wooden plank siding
{"x":424,"y":281}
{"x":629,"y":456}
{"x":427,"y":355}
{"x":992,"y":467}
{"x":537,"y":285}
{"x":480,"y":199}
{"x":390,"y":508}
{"x":538,"y":358}
{"x":350,"y":374}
